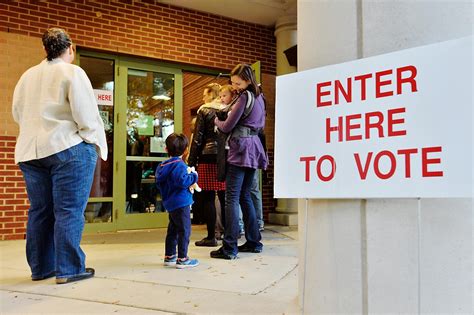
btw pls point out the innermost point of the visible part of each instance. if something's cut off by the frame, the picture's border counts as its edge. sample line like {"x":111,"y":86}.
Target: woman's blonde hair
{"x":212,"y":90}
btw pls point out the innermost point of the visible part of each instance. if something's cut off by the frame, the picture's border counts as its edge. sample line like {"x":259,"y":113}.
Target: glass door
{"x":140,"y":104}
{"x":151,"y":110}
{"x":99,"y":210}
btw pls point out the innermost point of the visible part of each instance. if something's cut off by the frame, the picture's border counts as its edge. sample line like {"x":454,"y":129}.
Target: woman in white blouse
{"x":60,"y":134}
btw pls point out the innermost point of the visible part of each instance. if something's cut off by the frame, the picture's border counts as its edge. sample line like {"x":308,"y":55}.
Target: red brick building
{"x":144,"y":29}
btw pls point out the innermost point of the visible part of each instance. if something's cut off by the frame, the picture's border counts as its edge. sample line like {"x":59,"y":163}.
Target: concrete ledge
{"x":287,"y":219}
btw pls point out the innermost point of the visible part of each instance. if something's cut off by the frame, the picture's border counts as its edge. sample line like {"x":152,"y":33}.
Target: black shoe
{"x":247,"y":249}
{"x":220,"y":254}
{"x":89,"y":273}
{"x":206,"y":242}
{"x":47,"y":276}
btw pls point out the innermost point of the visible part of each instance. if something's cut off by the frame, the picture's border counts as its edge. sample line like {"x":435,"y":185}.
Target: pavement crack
{"x":115,"y":303}
{"x":276,"y":281}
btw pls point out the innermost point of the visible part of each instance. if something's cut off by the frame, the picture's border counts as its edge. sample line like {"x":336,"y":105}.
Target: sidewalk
{"x":131,"y":279}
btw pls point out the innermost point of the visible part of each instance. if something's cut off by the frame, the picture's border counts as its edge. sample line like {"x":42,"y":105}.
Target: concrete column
{"x":285,"y":33}
{"x":380,"y":256}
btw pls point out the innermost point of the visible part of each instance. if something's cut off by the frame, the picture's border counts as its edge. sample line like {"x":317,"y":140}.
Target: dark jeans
{"x":238,"y":184}
{"x":58,"y":187}
{"x":209,"y":207}
{"x":179,"y":231}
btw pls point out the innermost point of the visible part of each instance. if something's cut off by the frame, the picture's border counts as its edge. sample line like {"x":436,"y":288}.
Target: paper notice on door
{"x":104,"y":97}
{"x":105,"y":119}
{"x":157,"y":145}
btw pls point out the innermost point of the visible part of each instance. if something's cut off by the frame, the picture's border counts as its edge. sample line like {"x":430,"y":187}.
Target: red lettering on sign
{"x":426,"y":161}
{"x":379,"y":83}
{"x":363,"y":167}
{"x":321,"y":176}
{"x":353,"y":129}
{"x":363,"y":86}
{"x":407,"y":153}
{"x":339,"y":128}
{"x":333,"y":168}
{"x":320,"y":93}
{"x":350,"y":126}
{"x":392,"y":121}
{"x":373,"y":125}
{"x":410,"y":79}
{"x":363,"y":172}
{"x":307,"y":160}
{"x":393,"y":164}
{"x":340,"y":89}
{"x":385,"y":82}
{"x":104,"y":97}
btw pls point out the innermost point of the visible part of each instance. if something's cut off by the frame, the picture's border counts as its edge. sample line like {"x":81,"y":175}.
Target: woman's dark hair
{"x":55,"y":42}
{"x":176,"y":144}
{"x":245,"y":72}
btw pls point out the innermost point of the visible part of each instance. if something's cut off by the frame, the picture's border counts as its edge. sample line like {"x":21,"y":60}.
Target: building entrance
{"x":140,"y":104}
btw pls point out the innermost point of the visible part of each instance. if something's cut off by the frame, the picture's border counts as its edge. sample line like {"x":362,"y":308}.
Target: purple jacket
{"x":245,"y":151}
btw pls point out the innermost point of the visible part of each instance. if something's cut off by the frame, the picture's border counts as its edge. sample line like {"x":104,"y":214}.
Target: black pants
{"x":209,"y":207}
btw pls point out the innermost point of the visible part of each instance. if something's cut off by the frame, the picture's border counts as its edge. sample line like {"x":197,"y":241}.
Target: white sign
{"x":157,"y":145}
{"x":104,"y":97}
{"x":394,"y":125}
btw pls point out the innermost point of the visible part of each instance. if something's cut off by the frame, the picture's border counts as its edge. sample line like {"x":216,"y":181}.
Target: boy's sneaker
{"x":187,"y":262}
{"x":170,"y":260}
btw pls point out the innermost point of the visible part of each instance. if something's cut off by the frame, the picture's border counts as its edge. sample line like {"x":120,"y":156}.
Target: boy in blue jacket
{"x":174,"y":180}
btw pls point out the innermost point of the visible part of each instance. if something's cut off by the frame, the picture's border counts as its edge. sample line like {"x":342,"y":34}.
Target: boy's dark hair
{"x":55,"y":42}
{"x":176,"y":144}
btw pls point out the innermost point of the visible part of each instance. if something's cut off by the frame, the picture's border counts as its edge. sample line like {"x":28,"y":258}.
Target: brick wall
{"x":13,"y":62}
{"x":13,"y":198}
{"x":17,"y":53}
{"x":268,"y":86}
{"x":146,"y":28}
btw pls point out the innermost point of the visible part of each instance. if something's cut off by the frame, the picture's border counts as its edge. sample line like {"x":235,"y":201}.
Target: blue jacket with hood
{"x":173,"y":181}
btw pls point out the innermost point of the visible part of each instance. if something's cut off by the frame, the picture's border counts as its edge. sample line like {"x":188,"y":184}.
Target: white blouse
{"x":55,"y":107}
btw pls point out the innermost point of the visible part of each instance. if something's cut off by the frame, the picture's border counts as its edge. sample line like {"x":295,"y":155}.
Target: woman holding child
{"x":246,"y":155}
